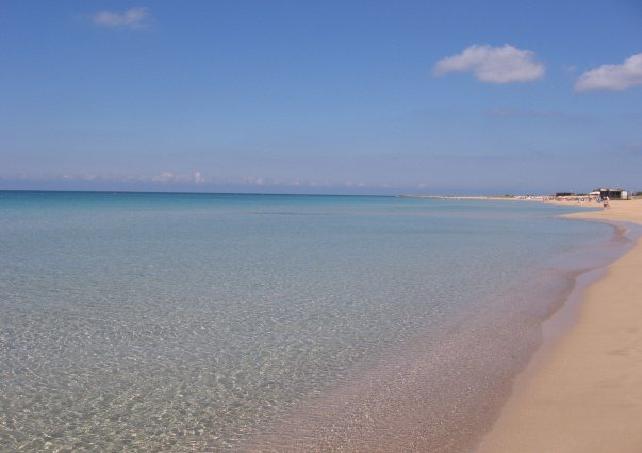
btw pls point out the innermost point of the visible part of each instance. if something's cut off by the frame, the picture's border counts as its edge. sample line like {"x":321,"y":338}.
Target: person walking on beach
{"x":606,"y":202}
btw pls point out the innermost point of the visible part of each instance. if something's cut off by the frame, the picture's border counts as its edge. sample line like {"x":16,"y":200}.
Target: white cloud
{"x":170,"y":177}
{"x":504,"y":64}
{"x":166,"y":176}
{"x":613,"y":76}
{"x":131,"y":18}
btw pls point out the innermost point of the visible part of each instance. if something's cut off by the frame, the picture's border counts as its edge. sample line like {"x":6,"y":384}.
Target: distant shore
{"x":477,"y":197}
{"x":582,"y":200}
{"x":585,"y":393}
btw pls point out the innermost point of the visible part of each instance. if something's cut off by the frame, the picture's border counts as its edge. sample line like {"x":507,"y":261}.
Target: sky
{"x":321,"y":97}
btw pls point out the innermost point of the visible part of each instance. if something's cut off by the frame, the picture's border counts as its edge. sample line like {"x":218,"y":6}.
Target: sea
{"x":244,"y":322}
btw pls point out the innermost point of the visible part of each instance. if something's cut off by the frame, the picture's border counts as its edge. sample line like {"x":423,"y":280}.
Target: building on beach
{"x":613,"y":194}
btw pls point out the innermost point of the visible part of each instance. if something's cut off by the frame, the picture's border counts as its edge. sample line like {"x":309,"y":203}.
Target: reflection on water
{"x":179,"y":322}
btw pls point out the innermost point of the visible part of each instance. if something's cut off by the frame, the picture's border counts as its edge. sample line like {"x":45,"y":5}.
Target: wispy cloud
{"x":166,"y":176}
{"x":170,"y":177}
{"x":554,"y":115}
{"x":505,"y":64}
{"x":198,"y":177}
{"x":614,"y":77}
{"x":131,"y":18}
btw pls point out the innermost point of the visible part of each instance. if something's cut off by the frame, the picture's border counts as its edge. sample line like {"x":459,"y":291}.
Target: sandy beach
{"x":585,"y":393}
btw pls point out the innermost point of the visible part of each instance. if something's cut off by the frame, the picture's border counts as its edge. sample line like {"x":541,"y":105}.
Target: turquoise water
{"x":201,"y":321}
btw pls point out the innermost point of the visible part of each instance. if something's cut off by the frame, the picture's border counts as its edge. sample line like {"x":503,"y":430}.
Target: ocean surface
{"x":181,"y":322}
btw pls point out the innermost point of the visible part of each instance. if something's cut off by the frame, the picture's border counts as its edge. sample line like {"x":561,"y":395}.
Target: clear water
{"x":194,"y":321}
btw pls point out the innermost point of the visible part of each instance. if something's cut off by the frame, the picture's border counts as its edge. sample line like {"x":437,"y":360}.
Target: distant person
{"x":606,"y":202}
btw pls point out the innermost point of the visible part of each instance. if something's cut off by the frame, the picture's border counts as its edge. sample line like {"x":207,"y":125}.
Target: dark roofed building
{"x":614,"y":194}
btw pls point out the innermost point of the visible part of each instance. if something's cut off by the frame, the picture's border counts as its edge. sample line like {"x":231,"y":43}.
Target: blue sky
{"x":338,"y":97}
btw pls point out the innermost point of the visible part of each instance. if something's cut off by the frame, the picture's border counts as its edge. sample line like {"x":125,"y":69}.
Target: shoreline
{"x":582,"y":390}
{"x":334,"y":421}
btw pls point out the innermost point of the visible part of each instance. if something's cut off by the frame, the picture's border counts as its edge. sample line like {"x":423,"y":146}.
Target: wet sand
{"x":585,"y":394}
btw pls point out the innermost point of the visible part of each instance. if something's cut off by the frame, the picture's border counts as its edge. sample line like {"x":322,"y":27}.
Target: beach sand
{"x":585,"y":393}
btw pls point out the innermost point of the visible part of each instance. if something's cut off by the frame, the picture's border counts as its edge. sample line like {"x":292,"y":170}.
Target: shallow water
{"x":193,"y":321}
